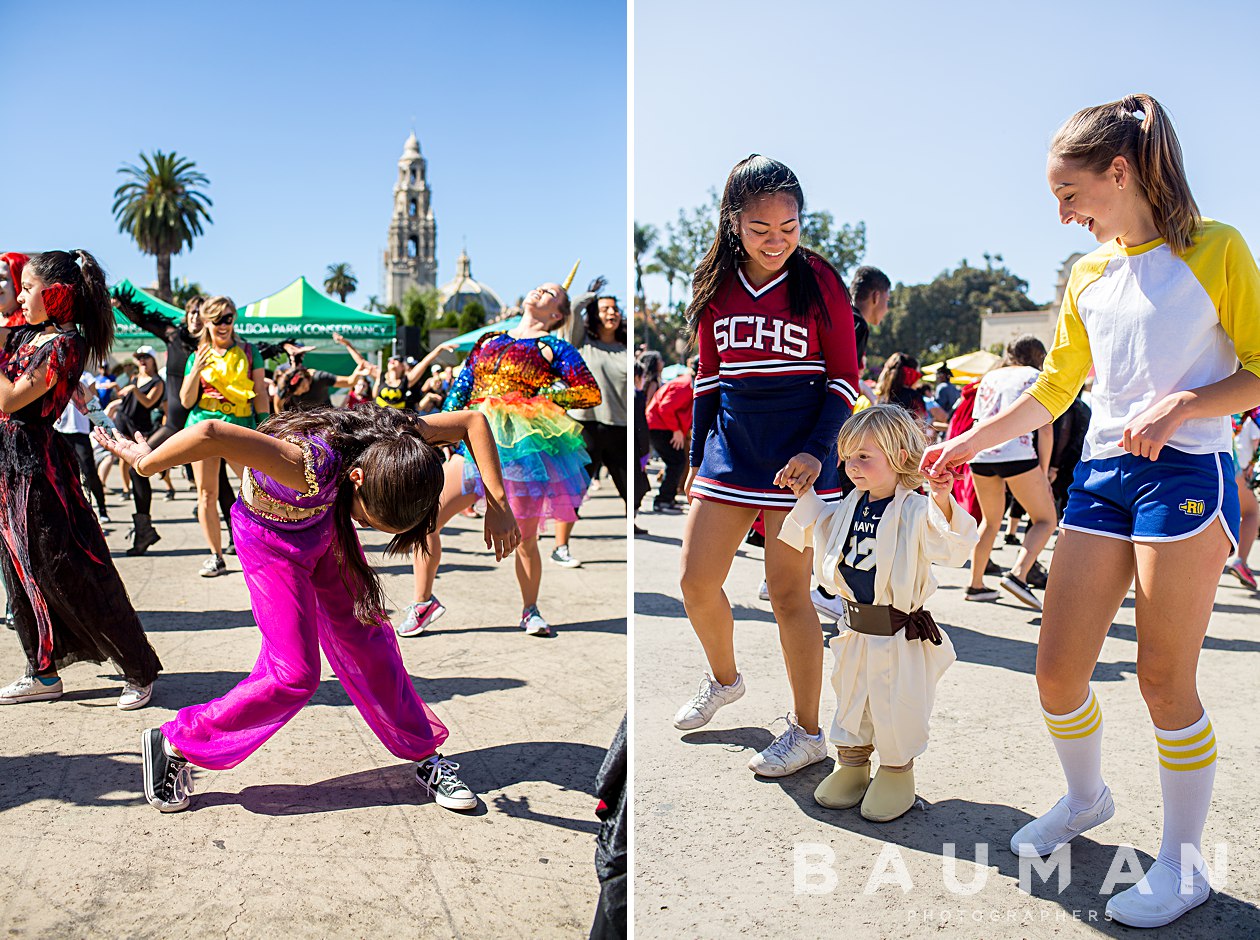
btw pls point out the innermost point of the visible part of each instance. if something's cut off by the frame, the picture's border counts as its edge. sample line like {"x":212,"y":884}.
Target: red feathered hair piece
{"x":16,"y":262}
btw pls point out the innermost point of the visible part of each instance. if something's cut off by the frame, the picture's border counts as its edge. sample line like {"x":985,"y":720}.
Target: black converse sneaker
{"x":437,"y":777}
{"x":167,"y":779}
{"x":1020,"y":590}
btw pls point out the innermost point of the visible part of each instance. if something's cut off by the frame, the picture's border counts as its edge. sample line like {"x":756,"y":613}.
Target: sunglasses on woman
{"x":227,"y":320}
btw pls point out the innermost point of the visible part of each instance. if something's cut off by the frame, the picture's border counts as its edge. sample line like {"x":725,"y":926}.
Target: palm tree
{"x":644,"y":238}
{"x":374,"y":304}
{"x":160,"y":208}
{"x":340,"y":281}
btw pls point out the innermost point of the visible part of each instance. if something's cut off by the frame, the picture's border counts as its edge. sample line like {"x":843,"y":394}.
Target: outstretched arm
{"x":471,"y":427}
{"x":417,"y":372}
{"x":281,"y":460}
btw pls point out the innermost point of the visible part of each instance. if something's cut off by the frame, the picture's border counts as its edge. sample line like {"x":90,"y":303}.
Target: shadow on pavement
{"x":109,"y":779}
{"x":178,"y":689}
{"x":565,"y":765}
{"x":616,"y":625}
{"x":1004,"y":652}
{"x":656,"y":604}
{"x":929,"y":827}
{"x":164,"y":621}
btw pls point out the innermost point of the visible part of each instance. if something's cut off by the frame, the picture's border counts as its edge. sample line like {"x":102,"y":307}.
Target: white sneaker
{"x":1158,"y":898}
{"x":532,"y":623}
{"x":135,"y":696}
{"x":564,"y":558}
{"x":420,"y":616}
{"x":1042,"y":835}
{"x":30,"y":689}
{"x":704,"y":704}
{"x":793,"y":750}
{"x":828,"y":608}
{"x":763,"y":592}
{"x":438,"y":778}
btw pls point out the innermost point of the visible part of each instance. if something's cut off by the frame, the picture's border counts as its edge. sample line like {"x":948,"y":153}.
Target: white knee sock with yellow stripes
{"x":1187,"y":770}
{"x":1077,"y":738}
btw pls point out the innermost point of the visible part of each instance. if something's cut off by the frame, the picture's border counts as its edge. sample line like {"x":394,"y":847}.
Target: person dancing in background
{"x":522,"y":381}
{"x":313,"y":477}
{"x":597,"y":330}
{"x":1164,"y":310}
{"x":223,"y":381}
{"x":776,"y":380}
{"x":69,"y":604}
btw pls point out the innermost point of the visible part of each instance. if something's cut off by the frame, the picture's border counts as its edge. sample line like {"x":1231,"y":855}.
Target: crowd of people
{"x":786,"y":443}
{"x":412,"y":443}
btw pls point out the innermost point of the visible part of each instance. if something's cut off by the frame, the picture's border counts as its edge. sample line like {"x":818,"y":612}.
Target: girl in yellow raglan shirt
{"x":1163,"y":310}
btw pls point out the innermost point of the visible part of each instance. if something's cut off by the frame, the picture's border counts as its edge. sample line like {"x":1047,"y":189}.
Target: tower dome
{"x":463,"y":289}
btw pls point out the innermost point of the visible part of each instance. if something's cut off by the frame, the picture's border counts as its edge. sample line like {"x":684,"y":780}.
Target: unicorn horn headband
{"x":572,"y":274}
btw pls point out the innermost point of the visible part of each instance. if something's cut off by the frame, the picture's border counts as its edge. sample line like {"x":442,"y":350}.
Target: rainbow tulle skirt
{"x":543,"y":458}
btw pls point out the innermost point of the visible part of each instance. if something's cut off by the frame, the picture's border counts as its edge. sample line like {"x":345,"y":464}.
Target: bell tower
{"x":410,"y":257}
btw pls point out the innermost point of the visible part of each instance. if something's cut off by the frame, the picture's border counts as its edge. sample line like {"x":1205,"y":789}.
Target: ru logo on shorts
{"x":1192,"y":507}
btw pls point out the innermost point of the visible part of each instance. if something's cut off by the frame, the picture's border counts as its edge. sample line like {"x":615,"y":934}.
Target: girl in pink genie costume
{"x":313,"y":475}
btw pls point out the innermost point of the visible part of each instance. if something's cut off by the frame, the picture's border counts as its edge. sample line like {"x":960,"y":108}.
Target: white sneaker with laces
{"x":420,"y":616}
{"x":828,"y":608}
{"x":30,"y":689}
{"x":704,"y":704}
{"x":793,"y":750}
{"x":564,"y":558}
{"x":135,"y":696}
{"x":1041,"y":836}
{"x":532,"y":623}
{"x":437,"y":777}
{"x":1159,"y":898}
{"x":763,"y":592}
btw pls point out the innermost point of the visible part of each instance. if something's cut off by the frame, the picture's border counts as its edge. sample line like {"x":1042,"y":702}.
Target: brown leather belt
{"x":886,"y":620}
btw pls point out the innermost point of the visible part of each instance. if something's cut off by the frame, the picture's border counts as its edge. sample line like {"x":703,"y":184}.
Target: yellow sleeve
{"x":1069,"y":359}
{"x":1225,"y":267}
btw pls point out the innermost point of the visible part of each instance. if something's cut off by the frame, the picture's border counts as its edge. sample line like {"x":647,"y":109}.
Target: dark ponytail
{"x":751,"y":178}
{"x":93,"y":313}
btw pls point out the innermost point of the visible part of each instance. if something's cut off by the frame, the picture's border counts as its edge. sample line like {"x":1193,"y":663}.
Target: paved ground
{"x":323,"y":833}
{"x":716,"y":848}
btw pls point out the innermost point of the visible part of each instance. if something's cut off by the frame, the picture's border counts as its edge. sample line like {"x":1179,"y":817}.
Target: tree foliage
{"x":942,"y":318}
{"x":184,"y":291}
{"x":340,"y":281}
{"x":471,"y":317}
{"x":161,"y":208}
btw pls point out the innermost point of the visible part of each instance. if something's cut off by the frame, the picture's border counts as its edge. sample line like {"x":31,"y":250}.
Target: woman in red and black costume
{"x":69,"y":603}
{"x":778,"y":376}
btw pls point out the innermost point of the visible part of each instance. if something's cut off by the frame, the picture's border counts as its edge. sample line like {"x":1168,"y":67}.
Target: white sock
{"x":1187,"y":770}
{"x":1077,"y":738}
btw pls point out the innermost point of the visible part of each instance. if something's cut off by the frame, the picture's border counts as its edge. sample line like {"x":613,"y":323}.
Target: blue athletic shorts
{"x":1165,"y":500}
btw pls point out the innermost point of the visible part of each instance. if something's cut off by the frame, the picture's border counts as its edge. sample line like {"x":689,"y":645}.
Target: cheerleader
{"x":522,"y":381}
{"x":876,"y":549}
{"x":1163,"y":310}
{"x":777,"y":377}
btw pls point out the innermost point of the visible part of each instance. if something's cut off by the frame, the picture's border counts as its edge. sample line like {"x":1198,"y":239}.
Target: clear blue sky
{"x":930,"y":121}
{"x":298,"y":115}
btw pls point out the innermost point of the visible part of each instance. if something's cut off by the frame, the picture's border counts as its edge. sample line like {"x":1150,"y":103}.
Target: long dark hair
{"x":594,"y":326}
{"x":754,"y":177}
{"x":402,"y":481}
{"x":93,"y":313}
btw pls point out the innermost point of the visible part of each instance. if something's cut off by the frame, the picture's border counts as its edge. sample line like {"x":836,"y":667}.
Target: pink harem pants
{"x":301,"y":604}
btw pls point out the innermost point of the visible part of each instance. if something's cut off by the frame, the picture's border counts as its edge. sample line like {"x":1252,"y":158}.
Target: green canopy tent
{"x":127,"y":336}
{"x":310,"y":317}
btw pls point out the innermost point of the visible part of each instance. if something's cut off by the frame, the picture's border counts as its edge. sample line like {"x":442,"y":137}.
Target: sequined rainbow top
{"x":501,"y":364}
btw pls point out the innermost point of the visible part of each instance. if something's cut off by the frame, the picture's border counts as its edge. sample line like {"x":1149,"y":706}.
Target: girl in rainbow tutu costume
{"x":523,"y":381}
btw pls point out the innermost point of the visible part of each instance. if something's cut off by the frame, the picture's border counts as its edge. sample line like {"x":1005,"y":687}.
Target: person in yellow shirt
{"x":1164,"y":310}
{"x":223,"y":381}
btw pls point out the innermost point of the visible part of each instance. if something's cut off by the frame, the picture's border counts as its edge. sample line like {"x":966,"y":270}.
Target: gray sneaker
{"x":791,"y":751}
{"x":704,"y":704}
{"x":436,"y":776}
{"x":213,"y":566}
{"x":30,"y":689}
{"x":1046,"y":832}
{"x":564,"y":558}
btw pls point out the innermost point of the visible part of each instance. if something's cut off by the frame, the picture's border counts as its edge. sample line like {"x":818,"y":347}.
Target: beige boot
{"x":891,"y":794}
{"x":844,"y":786}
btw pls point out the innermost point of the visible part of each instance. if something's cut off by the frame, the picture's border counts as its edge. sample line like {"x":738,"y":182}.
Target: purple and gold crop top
{"x":276,"y":503}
